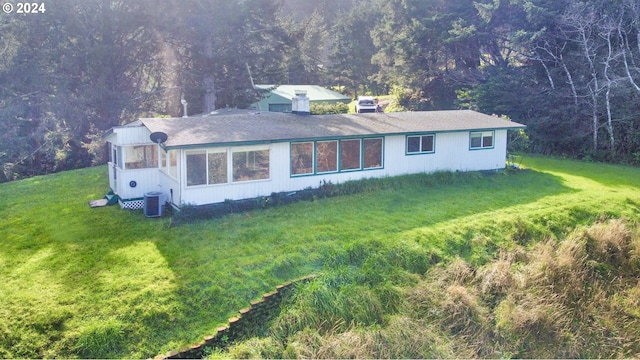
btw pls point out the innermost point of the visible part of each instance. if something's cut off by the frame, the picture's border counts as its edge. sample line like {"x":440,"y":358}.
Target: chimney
{"x":300,"y":103}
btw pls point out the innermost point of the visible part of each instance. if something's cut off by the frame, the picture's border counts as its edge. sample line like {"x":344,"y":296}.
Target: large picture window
{"x":196,"y":168}
{"x":302,"y":158}
{"x":326,"y":156}
{"x":251,"y":165}
{"x":217,"y":167}
{"x":372,"y":153}
{"x":421,"y":144}
{"x":350,"y":154}
{"x":481,"y":140}
{"x":141,"y":157}
{"x":211,"y":167}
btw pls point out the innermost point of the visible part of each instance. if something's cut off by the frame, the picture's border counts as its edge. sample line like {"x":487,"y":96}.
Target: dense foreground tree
{"x":68,"y":74}
{"x":82,"y":67}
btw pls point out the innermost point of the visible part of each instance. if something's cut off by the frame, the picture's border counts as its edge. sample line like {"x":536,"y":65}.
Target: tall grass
{"x":550,"y":299}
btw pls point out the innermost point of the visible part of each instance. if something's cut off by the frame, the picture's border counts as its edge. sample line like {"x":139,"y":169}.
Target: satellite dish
{"x":158,"y":137}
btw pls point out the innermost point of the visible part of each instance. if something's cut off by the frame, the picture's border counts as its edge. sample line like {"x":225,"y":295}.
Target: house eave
{"x":325,"y":138}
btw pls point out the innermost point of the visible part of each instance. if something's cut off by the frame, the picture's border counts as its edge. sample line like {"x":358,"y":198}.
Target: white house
{"x":236,"y":155}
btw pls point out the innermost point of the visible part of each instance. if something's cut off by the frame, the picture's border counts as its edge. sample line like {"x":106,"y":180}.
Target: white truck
{"x":366,"y":104}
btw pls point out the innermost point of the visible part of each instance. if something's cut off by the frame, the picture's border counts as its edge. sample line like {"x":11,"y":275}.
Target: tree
{"x":220,"y":43}
{"x":89,"y":65}
{"x":305,"y":59}
{"x":590,"y":49}
{"x":353,"y":49}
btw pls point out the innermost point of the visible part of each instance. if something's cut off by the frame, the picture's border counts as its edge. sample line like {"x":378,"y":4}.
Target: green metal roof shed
{"x":279,"y":98}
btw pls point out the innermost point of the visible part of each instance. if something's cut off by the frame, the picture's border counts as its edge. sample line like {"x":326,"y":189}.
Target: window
{"x":173,"y":164}
{"x":302,"y":158}
{"x":481,"y":140}
{"x":169,"y":162}
{"x":140,"y":157}
{"x":353,"y":155}
{"x":326,"y":156}
{"x":280,"y":107}
{"x":250,"y":165}
{"x":420,"y":144}
{"x":217,"y":168}
{"x":350,"y":154}
{"x":114,"y":155}
{"x":120,"y":156}
{"x":211,"y":167}
{"x":372,"y":153}
{"x":196,"y":168}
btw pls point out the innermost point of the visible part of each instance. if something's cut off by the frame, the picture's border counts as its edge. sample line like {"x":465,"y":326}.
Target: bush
{"x":323,"y":109}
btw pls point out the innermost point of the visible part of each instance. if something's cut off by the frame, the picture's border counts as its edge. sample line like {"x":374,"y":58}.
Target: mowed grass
{"x":81,"y":282}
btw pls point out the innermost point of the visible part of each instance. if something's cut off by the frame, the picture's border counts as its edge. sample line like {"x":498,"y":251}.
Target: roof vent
{"x":184,"y":105}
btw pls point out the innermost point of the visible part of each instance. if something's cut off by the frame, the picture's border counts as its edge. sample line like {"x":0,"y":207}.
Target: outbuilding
{"x":278,"y":97}
{"x":232,"y":154}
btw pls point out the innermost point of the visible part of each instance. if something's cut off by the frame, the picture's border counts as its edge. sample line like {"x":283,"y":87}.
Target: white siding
{"x":131,"y":135}
{"x":452,"y":153}
{"x":146,"y":180}
{"x":169,"y":186}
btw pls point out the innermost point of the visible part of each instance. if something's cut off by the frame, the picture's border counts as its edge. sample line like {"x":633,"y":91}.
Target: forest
{"x":568,"y":69}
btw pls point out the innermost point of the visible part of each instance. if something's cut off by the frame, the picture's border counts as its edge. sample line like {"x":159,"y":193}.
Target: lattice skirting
{"x":133,"y":204}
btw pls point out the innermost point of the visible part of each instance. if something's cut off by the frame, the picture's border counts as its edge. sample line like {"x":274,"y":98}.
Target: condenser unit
{"x":153,"y":204}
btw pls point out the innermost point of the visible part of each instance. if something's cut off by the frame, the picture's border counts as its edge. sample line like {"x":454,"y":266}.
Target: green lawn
{"x":81,"y":282}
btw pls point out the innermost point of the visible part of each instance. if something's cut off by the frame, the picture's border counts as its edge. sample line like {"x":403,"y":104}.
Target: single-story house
{"x":245,"y":154}
{"x":278,"y":98}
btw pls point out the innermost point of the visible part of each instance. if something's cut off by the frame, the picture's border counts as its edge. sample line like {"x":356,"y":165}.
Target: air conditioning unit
{"x":153,"y":204}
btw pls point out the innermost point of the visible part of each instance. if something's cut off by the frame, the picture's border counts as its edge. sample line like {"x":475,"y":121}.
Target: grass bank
{"x":576,"y":297}
{"x":81,"y":282}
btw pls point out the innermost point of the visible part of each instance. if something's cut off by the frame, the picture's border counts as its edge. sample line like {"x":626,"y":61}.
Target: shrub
{"x":323,"y":109}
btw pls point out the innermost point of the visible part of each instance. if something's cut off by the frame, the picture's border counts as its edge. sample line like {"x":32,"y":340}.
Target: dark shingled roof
{"x":265,"y":127}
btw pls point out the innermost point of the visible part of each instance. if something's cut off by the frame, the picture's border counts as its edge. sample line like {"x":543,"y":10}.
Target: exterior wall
{"x":169,"y":187}
{"x":130,"y":135}
{"x":121,"y":181}
{"x":452,"y":153}
{"x":277,"y":99}
{"x":146,"y":180}
{"x":271,"y":99}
